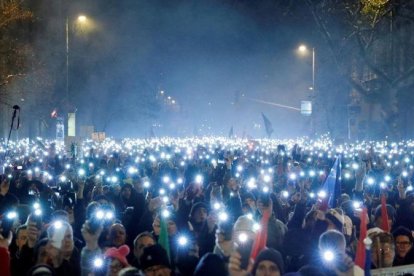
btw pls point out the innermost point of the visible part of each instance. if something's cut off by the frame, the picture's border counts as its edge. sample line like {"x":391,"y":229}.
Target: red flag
{"x":384,"y":215}
{"x":261,"y":238}
{"x":360,"y":253}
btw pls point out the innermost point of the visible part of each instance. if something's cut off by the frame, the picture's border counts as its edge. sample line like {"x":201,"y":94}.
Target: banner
{"x":393,"y":271}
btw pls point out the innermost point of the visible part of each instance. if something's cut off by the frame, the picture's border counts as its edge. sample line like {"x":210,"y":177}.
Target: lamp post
{"x":81,"y":19}
{"x":304,"y":50}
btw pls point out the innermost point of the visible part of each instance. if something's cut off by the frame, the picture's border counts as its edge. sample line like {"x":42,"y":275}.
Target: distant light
{"x":370,"y":181}
{"x":199,"y":179}
{"x":82,"y":18}
{"x":322,"y":194}
{"x":165,"y":179}
{"x":302,"y":48}
{"x":223,"y":216}
{"x":165,"y":213}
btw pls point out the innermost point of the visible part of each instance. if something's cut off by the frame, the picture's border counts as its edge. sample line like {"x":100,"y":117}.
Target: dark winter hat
{"x":271,"y":255}
{"x":197,"y":206}
{"x":154,"y":255}
{"x":249,"y":195}
{"x":210,"y":264}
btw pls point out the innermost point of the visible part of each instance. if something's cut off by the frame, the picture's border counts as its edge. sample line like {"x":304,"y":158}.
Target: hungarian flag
{"x":261,"y":237}
{"x":268,"y":125}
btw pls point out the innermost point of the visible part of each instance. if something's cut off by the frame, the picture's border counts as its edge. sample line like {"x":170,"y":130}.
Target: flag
{"x":384,"y":215}
{"x":268,"y":125}
{"x":261,"y":237}
{"x":163,"y":238}
{"x":332,"y":185}
{"x":361,"y":254}
{"x":231,"y":134}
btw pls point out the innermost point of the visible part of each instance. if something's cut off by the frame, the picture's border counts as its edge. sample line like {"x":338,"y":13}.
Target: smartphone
{"x":244,"y":247}
{"x":7,"y":222}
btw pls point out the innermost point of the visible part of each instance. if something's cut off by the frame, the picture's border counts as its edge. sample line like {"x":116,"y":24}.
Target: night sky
{"x":210,"y":56}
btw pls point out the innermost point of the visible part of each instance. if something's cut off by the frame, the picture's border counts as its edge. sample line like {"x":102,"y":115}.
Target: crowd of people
{"x":205,"y":206}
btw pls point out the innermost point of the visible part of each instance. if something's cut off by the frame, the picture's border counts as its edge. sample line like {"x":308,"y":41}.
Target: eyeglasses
{"x":403,"y":243}
{"x":385,"y":250}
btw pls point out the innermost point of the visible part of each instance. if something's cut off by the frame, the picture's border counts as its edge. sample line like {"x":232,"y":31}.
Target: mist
{"x":211,"y":57}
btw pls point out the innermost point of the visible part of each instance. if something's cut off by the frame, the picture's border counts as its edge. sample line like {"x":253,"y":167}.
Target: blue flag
{"x":332,"y":185}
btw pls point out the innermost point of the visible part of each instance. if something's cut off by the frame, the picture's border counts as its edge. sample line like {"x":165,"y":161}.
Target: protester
{"x":205,"y":206}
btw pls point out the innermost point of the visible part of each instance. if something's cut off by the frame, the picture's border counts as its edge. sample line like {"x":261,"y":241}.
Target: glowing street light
{"x":304,"y":50}
{"x":81,"y":19}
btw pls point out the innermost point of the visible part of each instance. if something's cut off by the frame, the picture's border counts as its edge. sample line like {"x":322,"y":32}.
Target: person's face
{"x":21,"y":238}
{"x":267,"y":268}
{"x":126,"y":193}
{"x":402,"y":246}
{"x":200,"y":215}
{"x":385,"y":252}
{"x":139,"y":187}
{"x":251,"y":203}
{"x":67,"y":242}
{"x":142,"y":243}
{"x":71,"y":214}
{"x":172,"y":228}
{"x":157,"y":270}
{"x":378,"y":222}
{"x":114,"y":267}
{"x":156,"y":226}
{"x":232,"y":184}
{"x":118,"y":234}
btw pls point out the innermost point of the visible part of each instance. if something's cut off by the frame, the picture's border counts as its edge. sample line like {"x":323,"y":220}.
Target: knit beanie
{"x":154,"y":255}
{"x":271,"y":255}
{"x":243,"y":224}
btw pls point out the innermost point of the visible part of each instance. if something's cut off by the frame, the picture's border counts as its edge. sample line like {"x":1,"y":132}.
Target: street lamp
{"x":81,"y":19}
{"x":304,"y":50}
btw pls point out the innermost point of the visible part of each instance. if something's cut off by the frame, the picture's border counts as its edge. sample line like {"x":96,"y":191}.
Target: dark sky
{"x":199,"y":52}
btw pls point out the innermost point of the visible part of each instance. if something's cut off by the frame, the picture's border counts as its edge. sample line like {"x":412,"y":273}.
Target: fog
{"x":213,"y":58}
